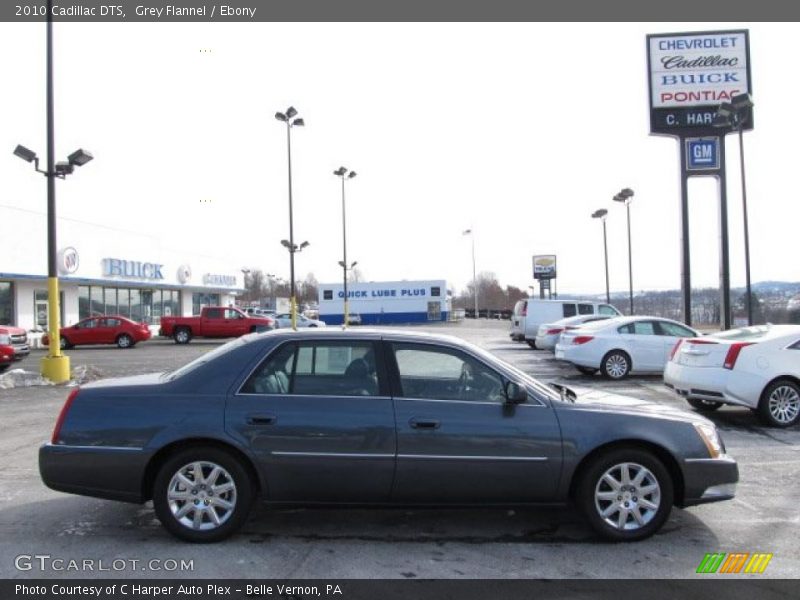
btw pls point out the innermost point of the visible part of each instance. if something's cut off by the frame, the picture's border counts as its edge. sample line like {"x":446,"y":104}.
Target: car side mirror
{"x":516,"y":393}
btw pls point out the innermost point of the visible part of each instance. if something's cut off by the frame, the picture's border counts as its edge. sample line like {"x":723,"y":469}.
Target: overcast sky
{"x":518,"y":131}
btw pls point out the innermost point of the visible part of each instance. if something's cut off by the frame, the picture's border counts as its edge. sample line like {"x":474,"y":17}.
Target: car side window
{"x":434,"y":373}
{"x":87,"y":324}
{"x":569,"y":310}
{"x":607,"y":309}
{"x":232,"y":314}
{"x":795,"y":346}
{"x":317,"y":369}
{"x":585,"y":309}
{"x":644,"y":328}
{"x":214,"y":313}
{"x":674,"y":330}
{"x":113,"y":323}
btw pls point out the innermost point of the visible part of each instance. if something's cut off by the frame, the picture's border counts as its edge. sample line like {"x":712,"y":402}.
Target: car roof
{"x":361,"y":333}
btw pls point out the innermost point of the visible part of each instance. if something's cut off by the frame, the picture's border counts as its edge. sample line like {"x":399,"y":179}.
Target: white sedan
{"x":617,"y":347}
{"x":549,"y":333}
{"x":285,"y":320}
{"x":757,"y":367}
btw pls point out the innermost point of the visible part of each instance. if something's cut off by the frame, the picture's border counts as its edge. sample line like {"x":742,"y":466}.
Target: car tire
{"x":64,"y":343}
{"x":612,"y":511}
{"x":186,"y":512}
{"x":531,"y":343}
{"x":616,"y":365}
{"x":4,"y":367}
{"x":586,"y":370}
{"x":705,"y":406}
{"x":124,"y":341}
{"x":312,"y":325}
{"x":182,"y":335}
{"x":779,"y":405}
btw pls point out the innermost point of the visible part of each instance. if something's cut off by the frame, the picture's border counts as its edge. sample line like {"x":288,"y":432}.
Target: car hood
{"x":147,"y":379}
{"x":607,"y":402}
{"x":11,"y":330}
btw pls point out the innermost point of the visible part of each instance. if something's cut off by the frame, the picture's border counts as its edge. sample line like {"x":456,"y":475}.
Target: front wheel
{"x":64,"y":343}
{"x":626,"y":494}
{"x":616,"y":365}
{"x":780,"y":404}
{"x":703,"y":405}
{"x":202,"y":495}
{"x":124,"y":341}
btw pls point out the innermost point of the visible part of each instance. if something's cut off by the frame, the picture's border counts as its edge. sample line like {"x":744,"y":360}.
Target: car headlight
{"x":708,"y":433}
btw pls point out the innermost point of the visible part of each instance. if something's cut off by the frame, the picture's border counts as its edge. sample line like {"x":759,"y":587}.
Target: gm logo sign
{"x":702,"y":154}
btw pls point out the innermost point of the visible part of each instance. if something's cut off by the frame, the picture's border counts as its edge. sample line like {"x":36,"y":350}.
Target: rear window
{"x":743,"y":333}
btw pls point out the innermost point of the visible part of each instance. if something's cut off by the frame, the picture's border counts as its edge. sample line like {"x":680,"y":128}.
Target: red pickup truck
{"x":13,"y":345}
{"x":214,"y":321}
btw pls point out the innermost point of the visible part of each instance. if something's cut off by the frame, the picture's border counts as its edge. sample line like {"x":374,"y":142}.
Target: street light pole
{"x":291,"y":121}
{"x":733,"y":115}
{"x":625,"y":196}
{"x":601,"y":214}
{"x":55,"y":366}
{"x":470,"y":233}
{"x":343,"y":173}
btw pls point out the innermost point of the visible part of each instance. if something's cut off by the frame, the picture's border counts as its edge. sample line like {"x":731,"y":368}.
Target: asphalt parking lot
{"x":327,"y":543}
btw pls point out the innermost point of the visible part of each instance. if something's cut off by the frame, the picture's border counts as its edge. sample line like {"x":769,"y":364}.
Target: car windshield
{"x":537,"y":385}
{"x":205,"y":358}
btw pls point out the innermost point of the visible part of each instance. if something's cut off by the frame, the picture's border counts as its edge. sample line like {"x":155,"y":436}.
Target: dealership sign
{"x":222,"y":280}
{"x":115,"y":267}
{"x":68,"y":261}
{"x":691,"y":74}
{"x":544,"y":266}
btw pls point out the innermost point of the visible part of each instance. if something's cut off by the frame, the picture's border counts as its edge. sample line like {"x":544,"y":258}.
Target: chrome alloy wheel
{"x":201,"y":496}
{"x":784,"y":404}
{"x":616,"y":366}
{"x":627,"y":496}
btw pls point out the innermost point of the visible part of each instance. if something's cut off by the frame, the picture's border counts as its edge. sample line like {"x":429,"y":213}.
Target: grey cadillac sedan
{"x":376,"y":418}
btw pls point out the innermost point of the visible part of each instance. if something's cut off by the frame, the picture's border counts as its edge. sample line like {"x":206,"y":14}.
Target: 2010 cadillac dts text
{"x":376,"y":418}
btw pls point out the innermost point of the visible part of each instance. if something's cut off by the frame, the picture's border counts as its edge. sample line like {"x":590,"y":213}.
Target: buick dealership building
{"x":386,"y":302}
{"x":104,"y":270}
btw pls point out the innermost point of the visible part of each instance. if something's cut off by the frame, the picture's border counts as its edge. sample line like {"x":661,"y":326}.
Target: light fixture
{"x":80,"y":157}
{"x":281,"y":117}
{"x":24,"y":153}
{"x":291,"y":111}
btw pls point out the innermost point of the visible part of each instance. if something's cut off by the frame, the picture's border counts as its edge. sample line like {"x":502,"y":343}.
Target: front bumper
{"x":99,"y":471}
{"x":709,"y":480}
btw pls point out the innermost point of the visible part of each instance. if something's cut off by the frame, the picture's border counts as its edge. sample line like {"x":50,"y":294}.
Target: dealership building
{"x":386,"y":302}
{"x":103,"y":270}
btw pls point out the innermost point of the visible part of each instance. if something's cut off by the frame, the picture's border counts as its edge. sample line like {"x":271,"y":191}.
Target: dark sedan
{"x":376,"y":418}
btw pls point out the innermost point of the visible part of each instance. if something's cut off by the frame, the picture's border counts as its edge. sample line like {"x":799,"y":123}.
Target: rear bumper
{"x":709,"y":480}
{"x":99,"y":471}
{"x":714,"y":384}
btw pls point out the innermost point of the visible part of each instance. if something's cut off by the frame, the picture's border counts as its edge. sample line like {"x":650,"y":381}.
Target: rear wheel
{"x":531,"y":343}
{"x":202,"y":494}
{"x":780,"y":404}
{"x":586,"y":370}
{"x":124,"y":341}
{"x":703,"y":405}
{"x":182,"y":335}
{"x":616,"y":365}
{"x":64,"y":343}
{"x":4,"y":367}
{"x":626,"y":494}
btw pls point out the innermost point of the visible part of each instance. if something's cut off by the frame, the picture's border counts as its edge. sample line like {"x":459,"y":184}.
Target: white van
{"x":530,"y":313}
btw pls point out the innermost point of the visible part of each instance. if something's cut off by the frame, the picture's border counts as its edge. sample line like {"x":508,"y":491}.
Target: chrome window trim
{"x":313,"y":396}
{"x":537,"y":405}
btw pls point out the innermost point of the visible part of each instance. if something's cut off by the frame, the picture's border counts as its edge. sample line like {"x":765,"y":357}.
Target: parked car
{"x":617,"y":347}
{"x":757,"y":367}
{"x":259,"y":312}
{"x":109,"y":329}
{"x":214,"y":322}
{"x":376,"y":417}
{"x":353,"y":319}
{"x":285,"y":320}
{"x":531,"y":313}
{"x":13,"y":346}
{"x":549,"y":333}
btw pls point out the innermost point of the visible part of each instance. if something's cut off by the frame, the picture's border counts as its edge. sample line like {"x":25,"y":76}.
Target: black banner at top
{"x":396,"y":10}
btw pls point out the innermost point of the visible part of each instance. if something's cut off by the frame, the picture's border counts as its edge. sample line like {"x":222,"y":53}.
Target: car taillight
{"x":733,"y":354}
{"x":554,"y":331}
{"x":581,"y":339}
{"x":675,"y":349}
{"x":524,"y":310}
{"x":63,"y":415}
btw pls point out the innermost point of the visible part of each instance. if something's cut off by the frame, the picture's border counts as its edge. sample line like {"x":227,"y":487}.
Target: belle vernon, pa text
{"x":167,"y":591}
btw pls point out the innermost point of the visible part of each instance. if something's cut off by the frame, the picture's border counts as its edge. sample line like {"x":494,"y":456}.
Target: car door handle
{"x":424,"y":423}
{"x":261,"y":419}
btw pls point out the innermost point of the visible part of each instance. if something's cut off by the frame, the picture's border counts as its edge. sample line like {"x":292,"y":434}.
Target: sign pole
{"x":724,"y":252}
{"x":686,"y":266}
